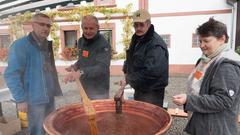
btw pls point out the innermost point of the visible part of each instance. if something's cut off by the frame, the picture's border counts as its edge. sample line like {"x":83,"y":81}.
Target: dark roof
{"x":13,"y":7}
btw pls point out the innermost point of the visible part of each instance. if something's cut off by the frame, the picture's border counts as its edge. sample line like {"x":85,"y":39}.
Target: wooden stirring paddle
{"x":89,"y":110}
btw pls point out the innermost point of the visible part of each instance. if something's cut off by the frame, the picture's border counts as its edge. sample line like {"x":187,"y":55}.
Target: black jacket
{"x":146,"y":65}
{"x":94,"y":60}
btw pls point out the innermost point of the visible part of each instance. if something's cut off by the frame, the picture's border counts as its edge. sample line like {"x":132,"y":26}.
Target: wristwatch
{"x":74,"y":67}
{"x":81,"y":72}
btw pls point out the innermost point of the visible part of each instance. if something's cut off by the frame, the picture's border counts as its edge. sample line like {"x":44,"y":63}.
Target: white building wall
{"x":124,"y":3}
{"x":3,"y":27}
{"x":180,"y":28}
{"x":119,"y":45}
{"x":166,"y":6}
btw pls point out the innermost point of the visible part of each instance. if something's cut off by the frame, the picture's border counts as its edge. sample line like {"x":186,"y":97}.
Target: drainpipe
{"x":233,"y":3}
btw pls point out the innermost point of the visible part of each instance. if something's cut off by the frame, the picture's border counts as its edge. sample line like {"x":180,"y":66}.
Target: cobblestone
{"x":177,"y":84}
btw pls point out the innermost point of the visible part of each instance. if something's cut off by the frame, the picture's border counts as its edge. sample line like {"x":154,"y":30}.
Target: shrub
{"x":3,"y":54}
{"x":70,"y":53}
{"x":238,"y":50}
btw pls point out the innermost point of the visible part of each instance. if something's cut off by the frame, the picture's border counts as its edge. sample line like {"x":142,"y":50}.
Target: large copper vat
{"x":137,"y":118}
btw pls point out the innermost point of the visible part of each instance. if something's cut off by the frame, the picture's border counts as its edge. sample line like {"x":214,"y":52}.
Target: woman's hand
{"x":180,"y":99}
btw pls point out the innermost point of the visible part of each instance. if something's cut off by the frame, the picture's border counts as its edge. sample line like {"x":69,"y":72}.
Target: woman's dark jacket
{"x":215,"y":109}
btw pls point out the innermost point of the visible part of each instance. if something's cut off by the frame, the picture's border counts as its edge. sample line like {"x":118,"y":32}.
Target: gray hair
{"x":90,"y":17}
{"x":37,"y":15}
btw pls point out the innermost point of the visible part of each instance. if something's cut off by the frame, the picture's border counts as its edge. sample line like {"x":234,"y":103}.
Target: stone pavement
{"x":71,"y":95}
{"x":177,"y":84}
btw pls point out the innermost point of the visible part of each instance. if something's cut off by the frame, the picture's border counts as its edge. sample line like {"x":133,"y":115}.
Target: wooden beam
{"x":1,"y":113}
{"x":2,"y":119}
{"x":177,"y":112}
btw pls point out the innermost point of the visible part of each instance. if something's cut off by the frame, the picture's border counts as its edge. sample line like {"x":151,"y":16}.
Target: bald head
{"x":89,"y":26}
{"x":39,"y":15}
{"x":89,"y":18}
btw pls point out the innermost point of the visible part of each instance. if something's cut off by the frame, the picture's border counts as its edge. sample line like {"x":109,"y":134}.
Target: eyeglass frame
{"x":43,"y":24}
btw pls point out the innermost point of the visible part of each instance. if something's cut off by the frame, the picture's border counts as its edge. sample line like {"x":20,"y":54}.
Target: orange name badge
{"x":198,"y":74}
{"x":85,"y":53}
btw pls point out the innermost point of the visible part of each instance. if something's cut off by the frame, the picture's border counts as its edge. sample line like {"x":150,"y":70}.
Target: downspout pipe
{"x":233,"y":3}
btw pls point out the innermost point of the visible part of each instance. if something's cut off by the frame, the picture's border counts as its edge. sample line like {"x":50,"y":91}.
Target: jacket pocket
{"x":138,"y":61}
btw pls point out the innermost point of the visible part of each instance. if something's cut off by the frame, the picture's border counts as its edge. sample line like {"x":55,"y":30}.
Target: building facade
{"x":176,"y":21}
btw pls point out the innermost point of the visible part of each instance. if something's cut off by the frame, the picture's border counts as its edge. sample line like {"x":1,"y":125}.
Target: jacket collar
{"x":34,"y":42}
{"x":147,"y":37}
{"x":92,"y":39}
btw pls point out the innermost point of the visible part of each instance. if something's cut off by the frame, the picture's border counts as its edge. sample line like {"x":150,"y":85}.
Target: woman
{"x":212,"y":101}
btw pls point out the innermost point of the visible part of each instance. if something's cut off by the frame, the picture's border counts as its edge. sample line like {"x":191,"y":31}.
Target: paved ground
{"x":71,"y":95}
{"x":177,"y":84}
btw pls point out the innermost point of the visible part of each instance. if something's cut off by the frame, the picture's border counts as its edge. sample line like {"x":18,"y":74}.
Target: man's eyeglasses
{"x":138,"y":24}
{"x":44,"y":24}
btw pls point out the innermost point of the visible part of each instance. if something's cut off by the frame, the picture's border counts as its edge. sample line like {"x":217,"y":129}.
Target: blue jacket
{"x":28,"y":76}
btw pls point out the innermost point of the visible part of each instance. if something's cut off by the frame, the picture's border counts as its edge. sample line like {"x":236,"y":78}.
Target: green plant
{"x":3,"y":54}
{"x":55,"y":38}
{"x":75,"y":14}
{"x":127,"y":28}
{"x":119,"y":56}
{"x":238,"y":50}
{"x":70,"y":53}
{"x":16,"y":24}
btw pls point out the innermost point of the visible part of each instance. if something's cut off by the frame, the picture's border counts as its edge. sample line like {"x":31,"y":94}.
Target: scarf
{"x":196,"y":77}
{"x":206,"y":59}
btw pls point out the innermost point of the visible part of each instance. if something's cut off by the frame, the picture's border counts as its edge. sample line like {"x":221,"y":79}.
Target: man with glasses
{"x":146,"y":65}
{"x":31,"y":74}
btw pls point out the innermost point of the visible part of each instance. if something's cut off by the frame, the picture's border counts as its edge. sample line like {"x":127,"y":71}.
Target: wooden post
{"x":1,"y":113}
{"x":2,"y":119}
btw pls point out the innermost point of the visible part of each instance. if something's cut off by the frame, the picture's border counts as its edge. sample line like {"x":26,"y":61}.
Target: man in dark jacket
{"x":146,"y":65}
{"x":93,"y":62}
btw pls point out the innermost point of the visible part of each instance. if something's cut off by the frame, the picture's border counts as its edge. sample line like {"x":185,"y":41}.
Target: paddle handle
{"x":89,"y":110}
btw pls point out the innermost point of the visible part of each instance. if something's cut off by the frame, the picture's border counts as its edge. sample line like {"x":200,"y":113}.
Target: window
{"x":107,"y":35}
{"x":70,"y":37}
{"x":167,"y":39}
{"x":104,"y":3}
{"x":5,"y":41}
{"x":108,"y":30}
{"x":195,"y":40}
